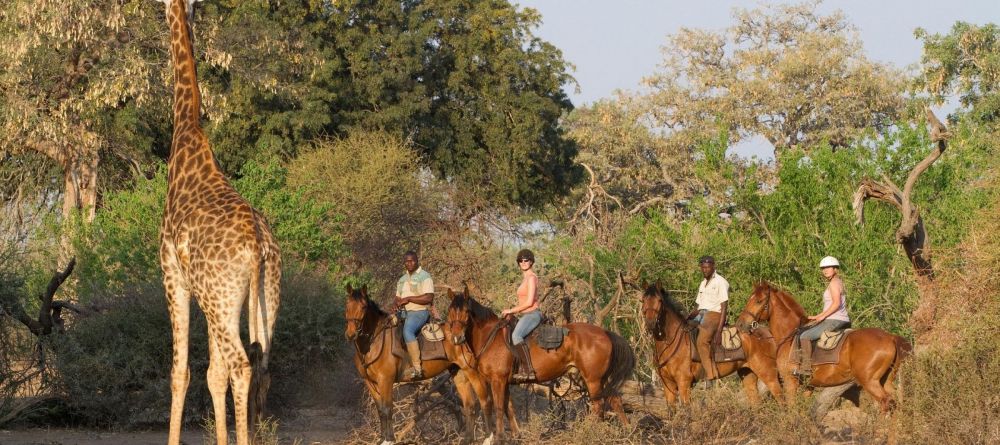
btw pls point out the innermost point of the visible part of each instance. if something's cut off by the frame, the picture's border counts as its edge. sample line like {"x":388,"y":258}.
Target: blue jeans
{"x":813,"y":333}
{"x":524,"y":326}
{"x":412,"y":324}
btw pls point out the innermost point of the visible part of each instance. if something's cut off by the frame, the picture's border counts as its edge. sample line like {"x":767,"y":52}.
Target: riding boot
{"x":416,"y":371}
{"x":525,"y":372}
{"x":805,"y":358}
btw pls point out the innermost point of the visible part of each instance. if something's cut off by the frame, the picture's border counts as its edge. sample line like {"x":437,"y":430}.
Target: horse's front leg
{"x":468,"y":396}
{"x":749,"y":380}
{"x":383,"y":401}
{"x":498,"y":386}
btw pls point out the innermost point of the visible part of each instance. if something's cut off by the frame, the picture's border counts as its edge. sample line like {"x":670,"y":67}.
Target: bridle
{"x":673,"y":339}
{"x":360,"y":333}
{"x":760,"y":311}
{"x":464,"y":326}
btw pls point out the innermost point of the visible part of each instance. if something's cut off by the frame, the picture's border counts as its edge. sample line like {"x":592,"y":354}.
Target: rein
{"x":675,"y":341}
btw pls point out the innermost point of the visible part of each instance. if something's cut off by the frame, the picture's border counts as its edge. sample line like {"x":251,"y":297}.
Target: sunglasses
{"x":523,"y":260}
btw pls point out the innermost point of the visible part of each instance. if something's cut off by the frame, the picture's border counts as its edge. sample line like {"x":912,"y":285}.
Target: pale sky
{"x":614,"y":44}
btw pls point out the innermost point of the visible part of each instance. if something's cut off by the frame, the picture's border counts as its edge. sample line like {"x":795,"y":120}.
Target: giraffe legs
{"x":223,"y":328}
{"x":218,"y":383}
{"x":179,"y":305}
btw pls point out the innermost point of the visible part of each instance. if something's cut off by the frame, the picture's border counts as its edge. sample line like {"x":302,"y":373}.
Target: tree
{"x":963,"y":62}
{"x":786,"y":73}
{"x":625,"y":159}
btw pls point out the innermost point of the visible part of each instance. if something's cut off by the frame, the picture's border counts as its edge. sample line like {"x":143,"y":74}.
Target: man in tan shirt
{"x":713,"y":297}
{"x":415,"y":293}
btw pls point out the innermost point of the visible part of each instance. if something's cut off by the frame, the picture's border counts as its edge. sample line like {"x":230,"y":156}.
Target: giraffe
{"x":218,"y":249}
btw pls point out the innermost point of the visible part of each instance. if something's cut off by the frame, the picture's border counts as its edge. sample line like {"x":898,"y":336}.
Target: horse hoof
{"x":488,"y":440}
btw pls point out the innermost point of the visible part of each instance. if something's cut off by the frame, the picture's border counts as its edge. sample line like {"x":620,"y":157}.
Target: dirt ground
{"x":310,"y":427}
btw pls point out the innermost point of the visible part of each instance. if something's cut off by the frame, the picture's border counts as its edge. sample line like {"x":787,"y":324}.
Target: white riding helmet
{"x":829,"y":262}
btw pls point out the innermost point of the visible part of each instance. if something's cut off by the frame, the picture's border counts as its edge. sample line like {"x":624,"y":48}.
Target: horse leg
{"x":512,"y":416}
{"x":384,"y":404}
{"x":467,"y":395}
{"x":684,"y":388}
{"x":669,"y":387}
{"x":749,"y":385}
{"x":619,"y":409}
{"x":498,"y":387}
{"x":596,"y":405}
{"x":874,"y":387}
{"x":482,"y":391}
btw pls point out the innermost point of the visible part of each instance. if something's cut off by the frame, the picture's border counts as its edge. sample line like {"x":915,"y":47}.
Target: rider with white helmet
{"x":833,"y":317}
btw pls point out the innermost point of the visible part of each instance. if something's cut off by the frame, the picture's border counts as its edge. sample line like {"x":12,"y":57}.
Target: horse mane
{"x":783,"y":298}
{"x":668,"y":301}
{"x":478,"y":311}
{"x":358,"y":296}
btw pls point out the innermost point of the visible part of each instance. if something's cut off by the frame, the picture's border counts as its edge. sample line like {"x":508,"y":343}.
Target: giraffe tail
{"x":260,"y":378}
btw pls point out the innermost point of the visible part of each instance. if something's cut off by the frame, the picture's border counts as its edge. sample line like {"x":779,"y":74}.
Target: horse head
{"x":758,"y":309}
{"x":459,"y":317}
{"x":356,"y":310}
{"x":652,"y":308}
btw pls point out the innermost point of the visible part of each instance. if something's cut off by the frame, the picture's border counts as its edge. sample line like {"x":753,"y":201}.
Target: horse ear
{"x":659,"y":287}
{"x":451,"y":294}
{"x":645,"y":284}
{"x":349,"y":289}
{"x":465,"y":291}
{"x":364,"y":290}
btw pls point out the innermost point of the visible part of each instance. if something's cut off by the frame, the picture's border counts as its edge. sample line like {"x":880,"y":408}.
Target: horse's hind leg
{"x":596,"y":405}
{"x":874,"y":387}
{"x":618,"y":408}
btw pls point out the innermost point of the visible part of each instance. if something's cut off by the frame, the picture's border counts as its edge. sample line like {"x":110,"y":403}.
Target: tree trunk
{"x":79,"y":195}
{"x":911,"y":234}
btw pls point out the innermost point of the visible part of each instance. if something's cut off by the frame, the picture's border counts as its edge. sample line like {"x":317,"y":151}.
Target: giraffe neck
{"x":187,"y":97}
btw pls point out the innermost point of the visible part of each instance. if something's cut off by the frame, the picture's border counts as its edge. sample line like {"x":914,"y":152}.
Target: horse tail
{"x":621,"y":367}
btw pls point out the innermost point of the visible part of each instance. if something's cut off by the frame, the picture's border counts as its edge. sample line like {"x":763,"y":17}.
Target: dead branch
{"x":911,"y":234}
{"x":48,"y":314}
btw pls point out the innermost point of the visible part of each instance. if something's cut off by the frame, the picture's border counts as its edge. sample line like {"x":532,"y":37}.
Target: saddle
{"x":827,"y":348}
{"x":728,"y":348}
{"x":431,"y":341}
{"x":546,"y":335}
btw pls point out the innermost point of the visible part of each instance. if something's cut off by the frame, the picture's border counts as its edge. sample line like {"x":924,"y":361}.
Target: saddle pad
{"x":830,"y":339}
{"x":549,"y":337}
{"x":731,"y":338}
{"x":823,"y":356}
{"x":720,"y":353}
{"x":432,"y":332}
{"x":429,"y":350}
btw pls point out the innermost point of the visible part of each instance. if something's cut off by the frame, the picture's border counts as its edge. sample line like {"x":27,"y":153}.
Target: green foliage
{"x":374,"y":181}
{"x":966,"y":62}
{"x":779,"y":232}
{"x":121,"y":247}
{"x":305,"y":228}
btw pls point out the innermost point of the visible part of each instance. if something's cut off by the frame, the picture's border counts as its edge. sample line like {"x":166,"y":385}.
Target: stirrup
{"x":522,"y":377}
{"x":415,"y":374}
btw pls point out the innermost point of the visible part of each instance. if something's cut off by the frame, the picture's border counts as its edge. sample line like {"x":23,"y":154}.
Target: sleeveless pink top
{"x":522,"y":293}
{"x":841,"y":312}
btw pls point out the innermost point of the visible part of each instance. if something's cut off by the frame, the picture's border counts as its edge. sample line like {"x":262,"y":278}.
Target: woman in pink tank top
{"x":833,"y":317}
{"x":527,"y":308}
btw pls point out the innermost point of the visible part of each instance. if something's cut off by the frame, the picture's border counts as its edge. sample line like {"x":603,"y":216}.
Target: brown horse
{"x":869,"y":357}
{"x":604,"y":359}
{"x":664,"y":319}
{"x":371,"y":333}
